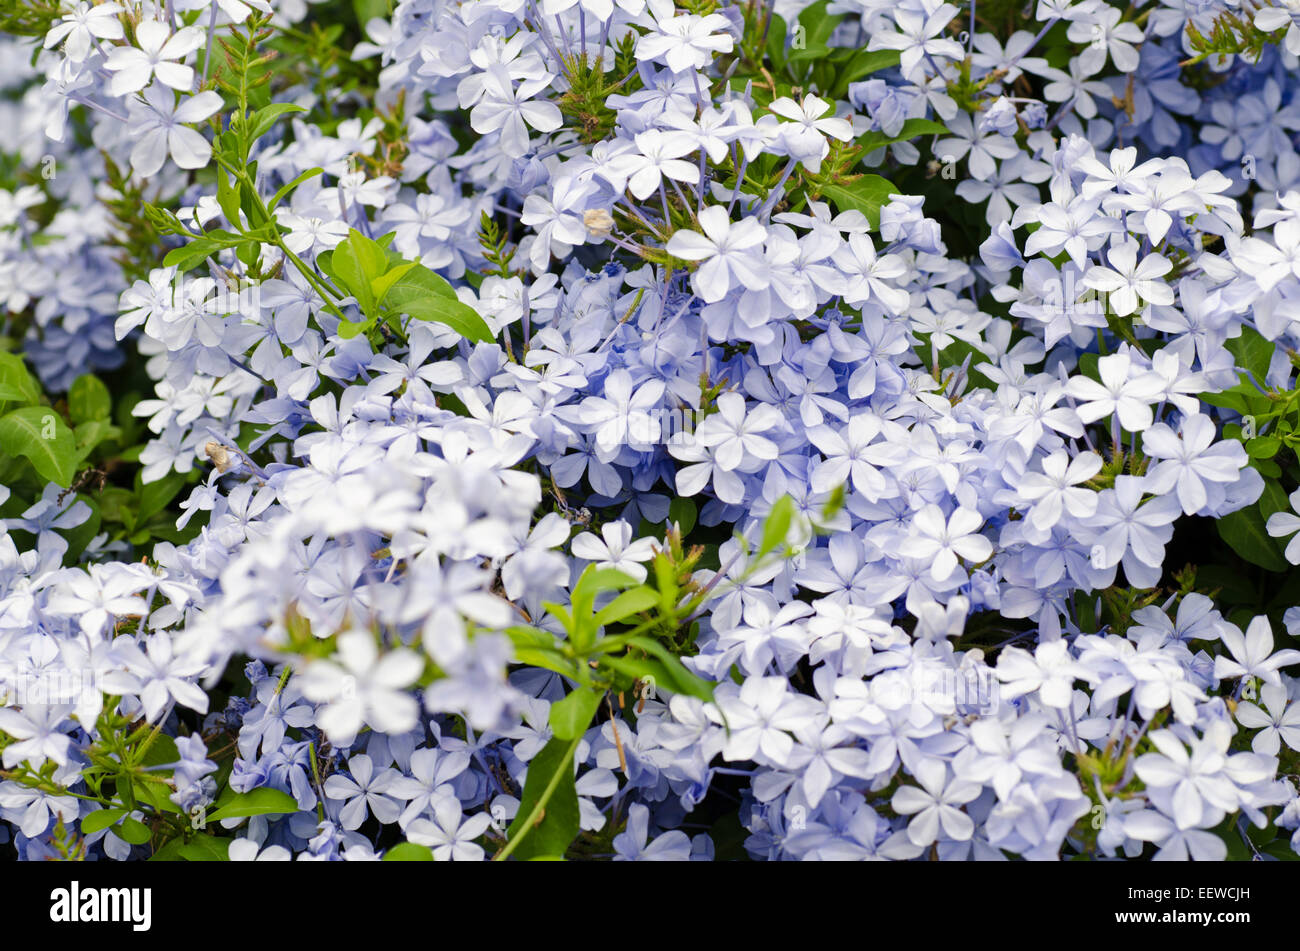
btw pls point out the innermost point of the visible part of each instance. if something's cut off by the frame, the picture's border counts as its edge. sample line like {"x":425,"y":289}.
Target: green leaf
{"x":571,"y":716}
{"x":90,"y":434}
{"x":777,"y":525}
{"x":912,"y":128}
{"x":155,"y":795}
{"x":866,"y":194}
{"x":88,"y":400}
{"x":1244,"y":532}
{"x":626,"y":604}
{"x":133,"y":831}
{"x":1253,"y":352}
{"x":548,"y":659}
{"x":324,"y":261}
{"x":100,"y":820}
{"x":228,"y":197}
{"x":251,"y":206}
{"x":284,"y":191}
{"x":44,"y":439}
{"x":117,"y":504}
{"x":260,"y":122}
{"x":522,"y":636}
{"x":191,"y":255}
{"x":460,"y":317}
{"x":1228,"y":399}
{"x":776,"y":36}
{"x":682,"y":511}
{"x":815,"y":33}
{"x":10,"y":393}
{"x":409,"y":852}
{"x":161,"y":751}
{"x":582,"y":624}
{"x":16,"y":382}
{"x":205,"y":848}
{"x":153,"y":496}
{"x":425,"y":295}
{"x":367,"y":10}
{"x":1280,"y":848}
{"x":594,"y":581}
{"x":548,"y":818}
{"x":256,"y":802}
{"x":354,"y":264}
{"x":537,"y":648}
{"x":371,"y":256}
{"x":1268,"y":468}
{"x":380,"y":286}
{"x":863,"y":63}
{"x":349,"y":328}
{"x":643,"y":668}
{"x":1263,"y":447}
{"x":171,"y":852}
{"x":1273,"y":499}
{"x":248,"y":253}
{"x":680,"y":679}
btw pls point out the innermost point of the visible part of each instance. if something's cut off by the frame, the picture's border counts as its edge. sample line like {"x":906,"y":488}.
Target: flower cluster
{"x":535,"y":426}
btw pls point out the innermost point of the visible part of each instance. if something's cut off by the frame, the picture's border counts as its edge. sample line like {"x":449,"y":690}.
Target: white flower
{"x":658,"y":154}
{"x":1277,"y":15}
{"x":944,"y":540}
{"x":1187,"y":464}
{"x":1128,"y":281}
{"x":918,"y":36}
{"x":508,"y":109}
{"x":1104,"y":34}
{"x":449,"y":837}
{"x":85,"y":23}
{"x":683,"y":42}
{"x":1281,"y":524}
{"x":159,"y":126}
{"x":1050,"y":672}
{"x":157,"y":675}
{"x":1195,"y":788}
{"x":246,"y":850}
{"x":934,"y":806}
{"x":615,"y":549}
{"x":36,"y":728}
{"x":363,"y":792}
{"x":731,"y":252}
{"x":365,"y":689}
{"x":1177,"y":844}
{"x":1125,"y":390}
{"x":158,"y":50}
{"x":1252,"y":655}
{"x":1281,"y":722}
{"x":811,"y":121}
{"x":1055,"y":490}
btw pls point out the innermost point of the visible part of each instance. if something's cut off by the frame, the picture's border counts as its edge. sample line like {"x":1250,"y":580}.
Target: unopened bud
{"x":218,"y":454}
{"x":598,"y":222}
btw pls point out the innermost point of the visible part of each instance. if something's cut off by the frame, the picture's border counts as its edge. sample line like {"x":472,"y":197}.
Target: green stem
{"x":535,"y":814}
{"x":315,"y":774}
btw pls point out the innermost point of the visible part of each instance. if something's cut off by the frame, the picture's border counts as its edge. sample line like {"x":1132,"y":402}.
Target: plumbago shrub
{"x":641,"y":429}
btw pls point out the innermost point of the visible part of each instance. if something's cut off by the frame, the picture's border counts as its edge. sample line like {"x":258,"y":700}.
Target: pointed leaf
{"x":40,"y":434}
{"x":866,"y":194}
{"x":256,"y":802}
{"x":571,"y":716}
{"x":409,"y":852}
{"x":548,"y":818}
